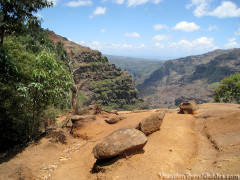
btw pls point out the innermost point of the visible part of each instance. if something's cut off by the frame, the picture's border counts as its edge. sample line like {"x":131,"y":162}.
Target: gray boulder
{"x":119,"y":142}
{"x":188,"y":107}
{"x":152,"y":123}
{"x":116,"y":119}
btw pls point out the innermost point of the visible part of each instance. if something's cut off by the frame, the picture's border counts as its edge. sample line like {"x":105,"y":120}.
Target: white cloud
{"x":113,"y":47}
{"x":157,"y":27}
{"x":186,"y":26}
{"x":201,"y":6}
{"x":225,"y":10}
{"x":211,"y":28}
{"x":140,"y":2}
{"x":79,"y":3}
{"x":202,"y":43}
{"x":158,"y":45}
{"x":160,"y":37}
{"x":102,"y":31}
{"x":134,"y":34}
{"x":119,"y":1}
{"x":98,"y":11}
{"x":237,"y":33}
{"x":231,"y":43}
{"x":136,"y":2}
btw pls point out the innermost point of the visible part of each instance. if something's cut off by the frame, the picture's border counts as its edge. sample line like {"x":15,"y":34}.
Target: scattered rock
{"x":64,"y":158}
{"x":116,"y":119}
{"x":119,"y":142}
{"x":152,"y":123}
{"x":76,"y":118}
{"x":188,"y":107}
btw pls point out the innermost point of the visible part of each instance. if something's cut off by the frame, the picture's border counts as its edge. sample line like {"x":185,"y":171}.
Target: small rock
{"x":152,"y":123}
{"x":188,"y":107}
{"x":76,"y":118}
{"x":119,"y":142}
{"x":116,"y":119}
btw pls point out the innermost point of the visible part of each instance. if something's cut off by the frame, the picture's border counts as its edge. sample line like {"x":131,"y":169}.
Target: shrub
{"x":229,"y":90}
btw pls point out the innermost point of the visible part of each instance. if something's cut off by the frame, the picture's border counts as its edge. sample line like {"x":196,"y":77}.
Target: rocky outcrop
{"x":189,"y":78}
{"x":188,"y":107}
{"x":119,"y":142}
{"x":116,"y":119}
{"x":152,"y":123}
{"x":105,"y":84}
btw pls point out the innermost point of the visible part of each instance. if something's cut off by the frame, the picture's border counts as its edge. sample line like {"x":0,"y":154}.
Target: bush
{"x":229,"y":90}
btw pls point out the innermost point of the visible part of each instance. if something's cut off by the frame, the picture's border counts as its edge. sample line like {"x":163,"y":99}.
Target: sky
{"x":161,"y":29}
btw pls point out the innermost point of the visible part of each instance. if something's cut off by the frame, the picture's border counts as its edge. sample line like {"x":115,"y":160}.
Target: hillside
{"x":188,"y":78}
{"x":106,"y":84}
{"x":140,"y":68}
{"x":206,"y":143}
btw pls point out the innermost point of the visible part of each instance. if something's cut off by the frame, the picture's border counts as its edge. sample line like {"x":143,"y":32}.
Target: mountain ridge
{"x":140,"y":68}
{"x":189,"y":78}
{"x":105,"y":84}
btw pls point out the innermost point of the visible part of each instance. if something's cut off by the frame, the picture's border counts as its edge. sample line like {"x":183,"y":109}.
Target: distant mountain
{"x":140,"y":68}
{"x":106,"y":84}
{"x":189,"y":78}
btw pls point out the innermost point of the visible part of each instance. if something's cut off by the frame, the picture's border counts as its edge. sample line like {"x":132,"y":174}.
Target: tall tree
{"x":62,"y":53}
{"x":15,"y":13}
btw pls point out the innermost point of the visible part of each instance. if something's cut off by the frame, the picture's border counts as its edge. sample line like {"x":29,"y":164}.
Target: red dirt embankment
{"x":207,"y":142}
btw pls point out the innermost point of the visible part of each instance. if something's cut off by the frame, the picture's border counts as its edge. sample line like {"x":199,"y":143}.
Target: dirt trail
{"x":208,"y":142}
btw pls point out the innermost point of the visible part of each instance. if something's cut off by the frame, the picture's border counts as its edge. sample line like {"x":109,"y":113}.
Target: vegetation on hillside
{"x":229,"y":90}
{"x":31,"y":76}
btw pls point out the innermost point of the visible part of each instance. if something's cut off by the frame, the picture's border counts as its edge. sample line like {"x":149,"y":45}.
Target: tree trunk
{"x":2,"y":36}
{"x":75,"y":99}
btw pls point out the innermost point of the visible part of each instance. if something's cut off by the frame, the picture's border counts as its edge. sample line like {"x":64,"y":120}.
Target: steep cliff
{"x":188,"y":78}
{"x":106,"y":84}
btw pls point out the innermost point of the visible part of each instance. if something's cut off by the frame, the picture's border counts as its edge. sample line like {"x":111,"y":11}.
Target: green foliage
{"x":117,"y":93}
{"x":8,"y":68}
{"x":32,"y":79}
{"x":30,"y":82}
{"x":16,"y":13}
{"x":228,"y":90}
{"x":14,"y":119}
{"x":82,"y":99}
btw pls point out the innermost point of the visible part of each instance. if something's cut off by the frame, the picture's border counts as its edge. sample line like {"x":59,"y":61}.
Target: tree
{"x":228,"y":90}
{"x":31,"y":79}
{"x":15,"y":13}
{"x":62,"y":53}
{"x":49,"y":82}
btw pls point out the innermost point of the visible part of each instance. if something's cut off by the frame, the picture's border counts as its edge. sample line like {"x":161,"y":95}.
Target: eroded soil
{"x":207,"y":142}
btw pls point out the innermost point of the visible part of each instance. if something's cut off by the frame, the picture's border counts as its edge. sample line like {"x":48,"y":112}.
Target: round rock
{"x":119,"y":142}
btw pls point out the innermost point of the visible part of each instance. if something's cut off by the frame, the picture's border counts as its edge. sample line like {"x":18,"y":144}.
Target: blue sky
{"x":147,"y":28}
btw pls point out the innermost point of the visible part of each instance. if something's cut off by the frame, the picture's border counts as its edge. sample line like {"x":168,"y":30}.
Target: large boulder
{"x":116,"y":119}
{"x":151,"y":123}
{"x":188,"y":107}
{"x":119,"y":142}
